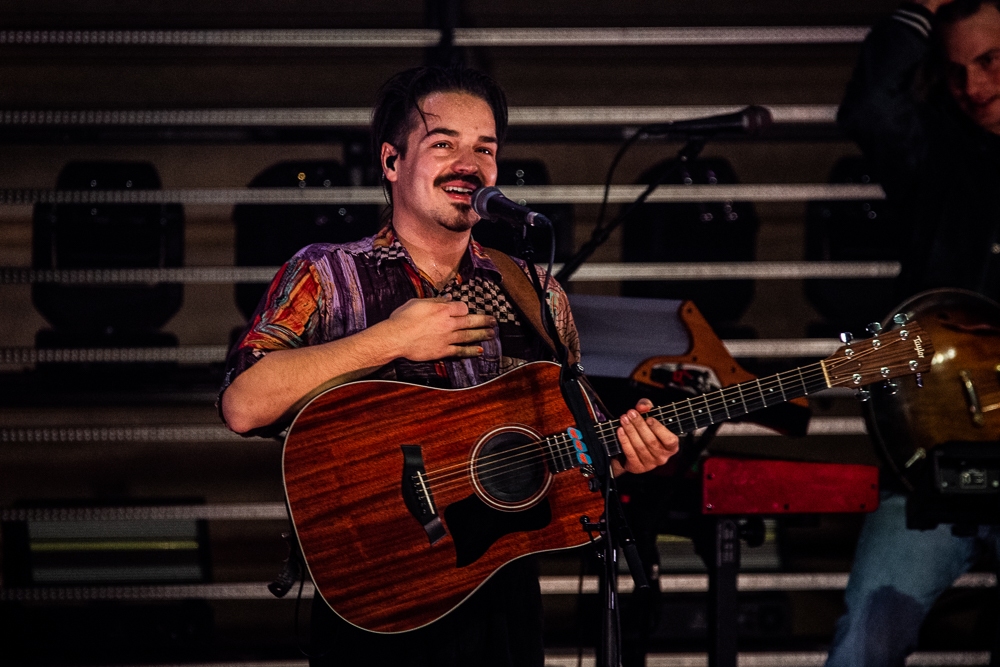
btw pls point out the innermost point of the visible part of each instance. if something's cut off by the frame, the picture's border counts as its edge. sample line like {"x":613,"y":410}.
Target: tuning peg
{"x":873,"y":328}
{"x":900,"y":318}
{"x":862,"y":395}
{"x":846,"y":337}
{"x":891,"y":386}
{"x":920,"y":380}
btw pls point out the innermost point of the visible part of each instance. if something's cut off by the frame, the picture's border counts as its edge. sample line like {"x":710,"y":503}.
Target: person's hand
{"x":646,"y":443}
{"x":438,"y":328}
{"x":933,"y":5}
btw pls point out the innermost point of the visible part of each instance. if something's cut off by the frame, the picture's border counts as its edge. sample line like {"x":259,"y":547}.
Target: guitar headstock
{"x":905,"y":350}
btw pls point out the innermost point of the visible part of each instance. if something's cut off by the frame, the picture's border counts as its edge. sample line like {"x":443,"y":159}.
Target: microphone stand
{"x":612,"y":525}
{"x":688,"y":152}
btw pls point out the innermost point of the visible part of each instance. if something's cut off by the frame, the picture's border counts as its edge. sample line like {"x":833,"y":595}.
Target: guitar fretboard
{"x":704,"y":410}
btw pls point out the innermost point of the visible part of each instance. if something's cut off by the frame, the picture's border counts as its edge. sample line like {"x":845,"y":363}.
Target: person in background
{"x":938,"y":158}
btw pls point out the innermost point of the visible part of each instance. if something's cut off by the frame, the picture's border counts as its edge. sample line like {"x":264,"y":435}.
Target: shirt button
{"x":995,"y":248}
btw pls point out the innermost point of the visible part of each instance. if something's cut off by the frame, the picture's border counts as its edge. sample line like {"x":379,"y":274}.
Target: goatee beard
{"x":461,"y":222}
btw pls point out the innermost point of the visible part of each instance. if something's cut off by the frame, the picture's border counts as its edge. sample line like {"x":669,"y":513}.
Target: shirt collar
{"x":386,"y":246}
{"x":480,"y":260}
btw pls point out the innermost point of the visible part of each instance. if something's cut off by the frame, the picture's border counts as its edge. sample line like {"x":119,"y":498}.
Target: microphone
{"x":751,"y":121}
{"x":490,"y":204}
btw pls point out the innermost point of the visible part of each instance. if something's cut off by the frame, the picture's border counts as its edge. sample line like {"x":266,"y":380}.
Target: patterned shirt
{"x":329,"y":291}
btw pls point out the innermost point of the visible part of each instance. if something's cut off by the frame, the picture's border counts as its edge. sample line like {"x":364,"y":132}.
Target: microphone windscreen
{"x":757,"y":118}
{"x":479,"y":198}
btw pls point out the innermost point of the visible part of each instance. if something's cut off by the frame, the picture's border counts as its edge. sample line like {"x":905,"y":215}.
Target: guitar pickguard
{"x":475,"y":526}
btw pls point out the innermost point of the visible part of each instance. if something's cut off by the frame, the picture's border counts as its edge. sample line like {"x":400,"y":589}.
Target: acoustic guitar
{"x":405,"y":499}
{"x":959,"y":400}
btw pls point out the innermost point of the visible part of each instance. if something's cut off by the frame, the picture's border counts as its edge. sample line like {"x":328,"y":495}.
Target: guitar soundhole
{"x":509,"y":469}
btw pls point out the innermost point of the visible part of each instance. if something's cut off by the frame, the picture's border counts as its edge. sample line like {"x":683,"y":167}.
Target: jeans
{"x":896,"y":577}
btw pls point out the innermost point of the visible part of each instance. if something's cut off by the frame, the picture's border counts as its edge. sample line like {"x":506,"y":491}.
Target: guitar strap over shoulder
{"x":519,"y":288}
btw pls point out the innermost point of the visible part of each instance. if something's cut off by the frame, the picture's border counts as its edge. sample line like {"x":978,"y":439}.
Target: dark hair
{"x":398,"y":102}
{"x":955,"y":11}
{"x":935,"y":74}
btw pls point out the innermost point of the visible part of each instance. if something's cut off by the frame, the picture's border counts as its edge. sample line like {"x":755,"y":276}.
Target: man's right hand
{"x":439,"y":328}
{"x":933,"y":5}
{"x":419,"y":330}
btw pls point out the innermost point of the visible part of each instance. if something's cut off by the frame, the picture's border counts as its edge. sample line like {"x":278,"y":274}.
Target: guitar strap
{"x":519,"y":288}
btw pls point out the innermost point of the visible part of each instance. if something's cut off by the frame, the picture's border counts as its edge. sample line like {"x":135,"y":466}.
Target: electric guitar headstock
{"x":905,"y":349}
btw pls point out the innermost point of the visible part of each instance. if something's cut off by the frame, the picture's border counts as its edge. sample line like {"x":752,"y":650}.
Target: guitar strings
{"x":717,"y":398}
{"x":712,"y":400}
{"x":517,"y":458}
{"x":605,"y":429}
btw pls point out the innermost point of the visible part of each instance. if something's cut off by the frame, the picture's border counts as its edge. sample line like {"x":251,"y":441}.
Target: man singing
{"x":419,"y":302}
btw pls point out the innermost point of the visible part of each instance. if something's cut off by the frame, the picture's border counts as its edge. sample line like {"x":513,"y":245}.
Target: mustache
{"x":472,"y":179}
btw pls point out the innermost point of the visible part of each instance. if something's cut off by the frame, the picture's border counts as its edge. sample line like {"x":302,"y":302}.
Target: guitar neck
{"x":725,"y":404}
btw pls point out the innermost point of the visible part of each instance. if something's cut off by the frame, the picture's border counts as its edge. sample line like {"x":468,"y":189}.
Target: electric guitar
{"x":405,"y":499}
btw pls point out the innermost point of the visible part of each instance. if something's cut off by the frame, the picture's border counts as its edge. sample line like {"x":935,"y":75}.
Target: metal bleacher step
{"x":773,"y":659}
{"x":534,"y":194}
{"x":569,"y":658}
{"x":427,"y":37}
{"x":210,"y":433}
{"x":550,"y":585}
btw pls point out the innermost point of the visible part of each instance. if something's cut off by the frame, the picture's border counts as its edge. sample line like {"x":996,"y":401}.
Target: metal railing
{"x":550,"y":585}
{"x":207,"y":354}
{"x":359,"y":117}
{"x":527,"y":194}
{"x":220,"y":434}
{"x":463,"y":37}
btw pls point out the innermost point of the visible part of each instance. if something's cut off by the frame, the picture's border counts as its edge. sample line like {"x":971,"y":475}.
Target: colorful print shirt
{"x":329,"y":291}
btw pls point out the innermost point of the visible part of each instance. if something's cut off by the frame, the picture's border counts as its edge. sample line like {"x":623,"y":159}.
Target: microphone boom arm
{"x":686,"y":154}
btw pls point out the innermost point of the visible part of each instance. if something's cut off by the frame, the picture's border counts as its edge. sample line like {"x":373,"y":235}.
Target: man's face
{"x":447,"y":157}
{"x":972,"y":51}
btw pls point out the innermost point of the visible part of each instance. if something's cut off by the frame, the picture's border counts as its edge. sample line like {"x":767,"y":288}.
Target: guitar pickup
{"x":417,"y":493}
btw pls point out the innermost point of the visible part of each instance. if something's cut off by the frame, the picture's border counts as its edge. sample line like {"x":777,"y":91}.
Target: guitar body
{"x":400,"y":516}
{"x":965,"y":328}
{"x":405,"y":499}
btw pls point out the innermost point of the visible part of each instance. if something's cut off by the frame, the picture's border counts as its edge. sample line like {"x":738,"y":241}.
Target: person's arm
{"x":279,"y":363}
{"x":645,"y":442}
{"x":932,"y":5}
{"x":879,"y":109}
{"x":419,"y":330}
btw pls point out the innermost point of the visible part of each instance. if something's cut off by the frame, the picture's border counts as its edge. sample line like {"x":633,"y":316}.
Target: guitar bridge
{"x":417,"y":493}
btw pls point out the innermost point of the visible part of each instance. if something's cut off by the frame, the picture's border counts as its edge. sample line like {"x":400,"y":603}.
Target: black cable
{"x":548,"y":269}
{"x":611,"y":170}
{"x":688,"y":152}
{"x":297,"y":629}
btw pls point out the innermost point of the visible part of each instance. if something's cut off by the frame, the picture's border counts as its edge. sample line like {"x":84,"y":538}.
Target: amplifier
{"x":961,"y":486}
